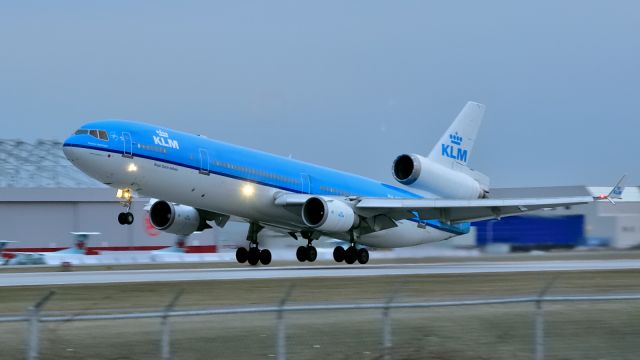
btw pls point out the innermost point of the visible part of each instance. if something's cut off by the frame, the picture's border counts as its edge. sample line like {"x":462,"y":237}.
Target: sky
{"x":346,"y":84}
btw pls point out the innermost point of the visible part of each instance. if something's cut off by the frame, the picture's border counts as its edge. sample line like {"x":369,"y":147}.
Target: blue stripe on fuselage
{"x":183,"y":149}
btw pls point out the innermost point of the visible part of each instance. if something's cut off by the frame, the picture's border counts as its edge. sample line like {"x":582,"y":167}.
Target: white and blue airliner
{"x":197,"y":180}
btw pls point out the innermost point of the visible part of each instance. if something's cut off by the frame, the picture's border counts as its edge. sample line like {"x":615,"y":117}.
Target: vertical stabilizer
{"x":454,"y":148}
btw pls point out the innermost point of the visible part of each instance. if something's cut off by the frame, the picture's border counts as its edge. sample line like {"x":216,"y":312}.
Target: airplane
{"x":19,"y":258}
{"x":197,"y":180}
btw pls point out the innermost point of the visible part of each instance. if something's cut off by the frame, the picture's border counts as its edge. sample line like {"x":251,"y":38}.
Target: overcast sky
{"x":347,"y":84}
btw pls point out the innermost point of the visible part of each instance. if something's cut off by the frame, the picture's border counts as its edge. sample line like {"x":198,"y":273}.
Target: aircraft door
{"x":128,"y":146}
{"x":204,"y":162}
{"x":305,"y":184}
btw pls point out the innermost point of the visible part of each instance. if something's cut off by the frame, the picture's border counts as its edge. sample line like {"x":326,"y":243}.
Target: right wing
{"x":452,"y":211}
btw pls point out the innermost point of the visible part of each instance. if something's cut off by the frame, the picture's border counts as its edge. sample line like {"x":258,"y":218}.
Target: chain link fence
{"x":536,"y":327}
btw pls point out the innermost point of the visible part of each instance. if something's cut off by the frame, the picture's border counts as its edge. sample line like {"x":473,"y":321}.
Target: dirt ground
{"x":594,"y":330}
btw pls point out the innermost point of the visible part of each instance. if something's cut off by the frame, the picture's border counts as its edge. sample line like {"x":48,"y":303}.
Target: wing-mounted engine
{"x":176,"y":219}
{"x":425,"y":174}
{"x":328,"y":215}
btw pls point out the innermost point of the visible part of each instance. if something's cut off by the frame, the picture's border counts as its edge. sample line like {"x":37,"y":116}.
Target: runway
{"x":302,"y":271}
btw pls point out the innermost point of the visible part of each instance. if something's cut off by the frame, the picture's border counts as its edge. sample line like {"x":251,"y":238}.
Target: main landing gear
{"x":309,"y":252}
{"x":253,"y":255}
{"x":351,"y":255}
{"x":125,"y":196}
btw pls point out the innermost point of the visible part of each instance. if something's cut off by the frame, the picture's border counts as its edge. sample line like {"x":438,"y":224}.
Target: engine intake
{"x":424,"y":174}
{"x":329,"y":215}
{"x":406,"y":169}
{"x":174,"y":218}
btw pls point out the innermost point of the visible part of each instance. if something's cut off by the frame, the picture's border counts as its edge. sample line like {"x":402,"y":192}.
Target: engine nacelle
{"x":329,"y":215}
{"x":174,"y":218}
{"x":424,"y":174}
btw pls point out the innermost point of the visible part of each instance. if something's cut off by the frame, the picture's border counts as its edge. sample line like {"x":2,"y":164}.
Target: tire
{"x":351,"y":255}
{"x":254,"y":256}
{"x":301,"y":254}
{"x":129,"y":218}
{"x":242,"y":255}
{"x":121,"y":219}
{"x":265,"y":257}
{"x":363,"y":256}
{"x":312,"y":253}
{"x":338,"y":254}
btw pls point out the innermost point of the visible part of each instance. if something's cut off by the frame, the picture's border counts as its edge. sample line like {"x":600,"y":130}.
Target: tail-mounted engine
{"x":424,"y":174}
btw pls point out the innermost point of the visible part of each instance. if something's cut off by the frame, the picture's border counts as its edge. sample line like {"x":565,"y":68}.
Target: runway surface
{"x":302,"y":271}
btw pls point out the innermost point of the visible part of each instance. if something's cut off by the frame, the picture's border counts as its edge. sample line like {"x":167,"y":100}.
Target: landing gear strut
{"x":125,"y":196}
{"x":309,"y":252}
{"x":254,"y":255}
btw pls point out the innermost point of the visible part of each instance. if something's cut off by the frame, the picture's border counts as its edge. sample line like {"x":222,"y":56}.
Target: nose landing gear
{"x":125,"y":218}
{"x":125,"y":196}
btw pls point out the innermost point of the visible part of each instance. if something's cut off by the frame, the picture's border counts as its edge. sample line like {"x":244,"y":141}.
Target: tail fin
{"x":618,"y":189}
{"x":454,"y":148}
{"x":615,"y":193}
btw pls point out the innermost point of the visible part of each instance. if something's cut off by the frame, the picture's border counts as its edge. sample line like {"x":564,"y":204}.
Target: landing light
{"x":123,"y":194}
{"x":248,"y":190}
{"x":132,"y":167}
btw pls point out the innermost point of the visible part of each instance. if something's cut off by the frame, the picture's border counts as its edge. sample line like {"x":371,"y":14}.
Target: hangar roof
{"x":39,"y":164}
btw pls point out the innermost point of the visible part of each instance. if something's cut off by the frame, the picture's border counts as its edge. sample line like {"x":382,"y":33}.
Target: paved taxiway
{"x":308,"y":271}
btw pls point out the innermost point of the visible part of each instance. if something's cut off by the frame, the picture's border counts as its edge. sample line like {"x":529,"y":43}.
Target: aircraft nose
{"x":69,"y":151}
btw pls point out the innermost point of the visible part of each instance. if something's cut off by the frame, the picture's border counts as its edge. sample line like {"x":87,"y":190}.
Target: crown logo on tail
{"x":455,"y":138}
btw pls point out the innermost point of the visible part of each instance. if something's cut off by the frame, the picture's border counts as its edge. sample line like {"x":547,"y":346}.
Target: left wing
{"x":451,"y":211}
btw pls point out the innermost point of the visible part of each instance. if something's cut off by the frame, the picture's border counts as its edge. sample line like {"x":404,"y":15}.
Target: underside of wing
{"x":451,"y":211}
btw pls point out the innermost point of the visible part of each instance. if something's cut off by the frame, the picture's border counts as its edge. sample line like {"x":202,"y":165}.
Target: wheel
{"x":312,"y":253}
{"x":351,"y":255}
{"x":301,"y":254}
{"x":129,"y":218}
{"x":242,"y":255}
{"x":363,"y":256}
{"x":121,"y":219}
{"x":254,"y":256}
{"x":338,"y":254}
{"x":265,"y":257}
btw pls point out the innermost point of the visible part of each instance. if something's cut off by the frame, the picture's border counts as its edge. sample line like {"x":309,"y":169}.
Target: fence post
{"x":166,"y":327}
{"x":539,"y":321}
{"x":282,"y":330}
{"x":386,"y":327}
{"x":34,"y":326}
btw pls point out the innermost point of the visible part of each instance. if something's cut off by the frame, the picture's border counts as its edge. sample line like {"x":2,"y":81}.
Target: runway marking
{"x":171,"y":275}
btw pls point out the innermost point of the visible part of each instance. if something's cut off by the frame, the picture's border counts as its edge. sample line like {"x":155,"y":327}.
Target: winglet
{"x":615,"y":193}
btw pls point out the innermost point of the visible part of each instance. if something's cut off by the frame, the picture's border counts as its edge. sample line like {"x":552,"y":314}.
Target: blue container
{"x":532,"y":232}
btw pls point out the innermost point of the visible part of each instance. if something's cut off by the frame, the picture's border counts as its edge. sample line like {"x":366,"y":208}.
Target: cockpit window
{"x":98,"y":134}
